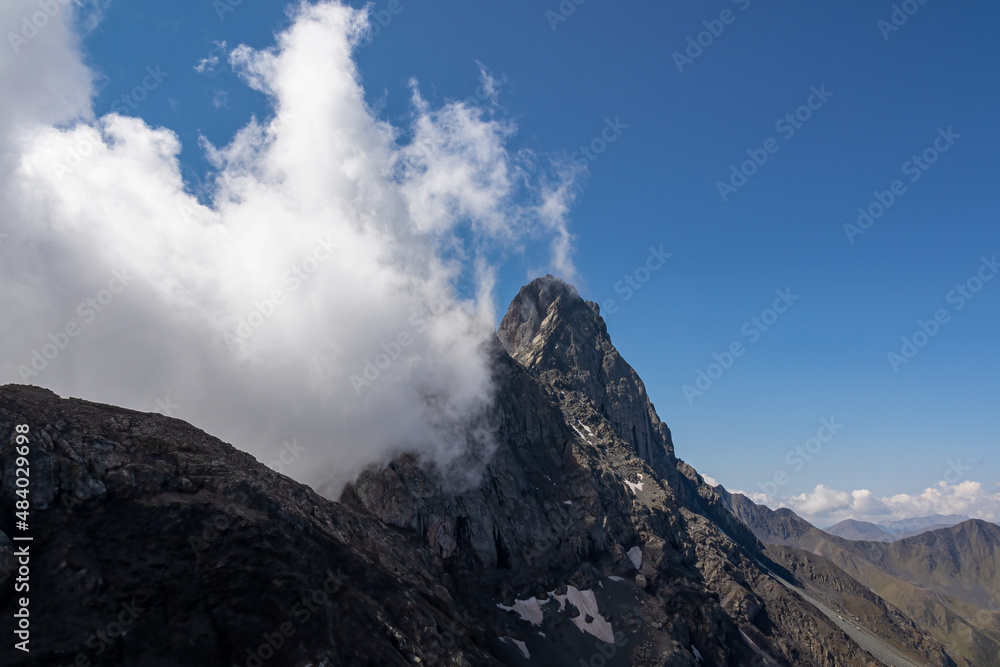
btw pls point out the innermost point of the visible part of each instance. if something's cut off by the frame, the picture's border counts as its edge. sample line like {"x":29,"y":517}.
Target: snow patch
{"x":586,"y":603}
{"x":634,"y":486}
{"x":567,"y":502}
{"x":635,"y":555}
{"x":697,"y":653}
{"x":519,"y":644}
{"x":616,"y":578}
{"x":585,"y":427}
{"x":529,"y":610}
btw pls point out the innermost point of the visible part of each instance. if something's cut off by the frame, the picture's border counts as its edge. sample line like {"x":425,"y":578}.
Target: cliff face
{"x":587,"y":540}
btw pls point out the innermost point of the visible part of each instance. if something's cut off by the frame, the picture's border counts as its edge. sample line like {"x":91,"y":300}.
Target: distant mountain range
{"x":890,"y":531}
{"x":945,"y":581}
{"x":588,"y":542}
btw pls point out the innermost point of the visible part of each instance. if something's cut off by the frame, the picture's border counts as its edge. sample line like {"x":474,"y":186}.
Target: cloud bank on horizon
{"x":825,"y":506}
{"x":310,"y":313}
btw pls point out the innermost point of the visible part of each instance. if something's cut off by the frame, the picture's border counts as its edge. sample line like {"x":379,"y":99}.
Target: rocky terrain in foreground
{"x":587,"y":543}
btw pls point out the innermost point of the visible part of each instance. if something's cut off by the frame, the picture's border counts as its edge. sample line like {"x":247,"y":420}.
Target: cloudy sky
{"x":227,"y":211}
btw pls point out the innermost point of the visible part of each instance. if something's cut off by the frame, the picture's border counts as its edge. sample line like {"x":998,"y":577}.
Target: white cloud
{"x":867,"y":503}
{"x":337,"y":232}
{"x":822,"y":500}
{"x":211,"y":61}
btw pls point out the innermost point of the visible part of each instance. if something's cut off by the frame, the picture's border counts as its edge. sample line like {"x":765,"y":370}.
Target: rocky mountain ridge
{"x":588,"y":540}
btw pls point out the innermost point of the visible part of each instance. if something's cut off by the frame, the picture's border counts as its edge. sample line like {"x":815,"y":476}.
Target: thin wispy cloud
{"x":208,"y":64}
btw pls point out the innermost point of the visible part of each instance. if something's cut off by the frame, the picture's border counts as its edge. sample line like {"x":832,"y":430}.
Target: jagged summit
{"x":562,"y":339}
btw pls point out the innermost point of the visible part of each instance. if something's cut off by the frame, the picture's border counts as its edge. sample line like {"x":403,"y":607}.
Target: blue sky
{"x":892,"y":94}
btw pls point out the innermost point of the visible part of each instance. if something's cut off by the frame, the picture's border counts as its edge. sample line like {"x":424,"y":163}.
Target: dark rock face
{"x":587,"y":540}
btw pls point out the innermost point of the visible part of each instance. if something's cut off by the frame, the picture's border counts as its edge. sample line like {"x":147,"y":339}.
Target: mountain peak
{"x":530,"y":310}
{"x":563,"y":340}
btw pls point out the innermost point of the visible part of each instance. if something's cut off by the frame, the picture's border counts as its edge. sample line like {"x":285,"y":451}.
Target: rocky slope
{"x":587,"y":541}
